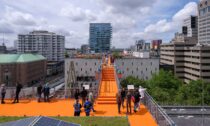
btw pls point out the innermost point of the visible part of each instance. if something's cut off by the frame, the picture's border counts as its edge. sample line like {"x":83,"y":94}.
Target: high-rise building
{"x":203,"y":22}
{"x":190,"y":28}
{"x":156,"y":44}
{"x":100,"y":35}
{"x":48,"y":44}
{"x":85,"y":49}
{"x":141,"y":45}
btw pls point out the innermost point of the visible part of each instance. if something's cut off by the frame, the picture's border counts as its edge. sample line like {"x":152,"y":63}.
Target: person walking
{"x":3,"y":93}
{"x":39,"y":92}
{"x":137,"y":100}
{"x":76,"y":94}
{"x":84,"y":95}
{"x":88,"y":107}
{"x":123,"y":94}
{"x":18,"y":90}
{"x":77,"y":108}
{"x":46,"y":91}
{"x":92,"y":100}
{"x":142,"y":92}
{"x":128,"y":102}
{"x":119,"y":101}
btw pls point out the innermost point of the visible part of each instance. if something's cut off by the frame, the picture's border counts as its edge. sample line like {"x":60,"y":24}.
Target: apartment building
{"x":45,"y":43}
{"x":189,"y":60}
{"x":100,"y":35}
{"x":204,"y":22}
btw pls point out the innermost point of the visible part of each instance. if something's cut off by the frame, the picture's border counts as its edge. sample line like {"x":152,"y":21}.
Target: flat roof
{"x":20,"y":58}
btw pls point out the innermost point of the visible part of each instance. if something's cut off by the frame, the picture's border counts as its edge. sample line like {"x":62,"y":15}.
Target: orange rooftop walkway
{"x":105,"y":104}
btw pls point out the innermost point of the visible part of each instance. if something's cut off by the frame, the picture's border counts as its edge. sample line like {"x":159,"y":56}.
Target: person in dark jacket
{"x":3,"y":93}
{"x":128,"y":102}
{"x":119,"y":101}
{"x":76,"y":95}
{"x":77,"y":108}
{"x":137,"y":100}
{"x":123,"y":95}
{"x":39,"y":92}
{"x":88,"y":107}
{"x":83,"y":95}
{"x":46,"y":91}
{"x":18,"y":90}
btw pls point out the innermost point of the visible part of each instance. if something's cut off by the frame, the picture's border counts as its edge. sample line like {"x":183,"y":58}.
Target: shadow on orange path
{"x":65,"y":108}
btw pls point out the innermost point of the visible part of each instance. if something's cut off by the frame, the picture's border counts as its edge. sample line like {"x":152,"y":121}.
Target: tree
{"x":163,"y":86}
{"x":130,"y":80}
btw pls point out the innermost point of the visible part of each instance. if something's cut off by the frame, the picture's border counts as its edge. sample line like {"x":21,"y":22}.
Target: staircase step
{"x":107,"y":102}
{"x":106,"y":99}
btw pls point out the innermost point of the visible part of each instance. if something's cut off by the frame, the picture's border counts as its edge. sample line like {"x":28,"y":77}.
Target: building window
{"x":95,"y":63}
{"x":122,"y":63}
{"x":137,"y":69}
{"x":151,"y":63}
{"x":90,"y":69}
{"x":127,"y":69}
{"x":81,"y":69}
{"x":132,"y":72}
{"x":76,"y":64}
{"x":85,"y":64}
{"x":146,"y":69}
{"x":151,"y":72}
{"x":141,"y":64}
{"x":132,"y":63}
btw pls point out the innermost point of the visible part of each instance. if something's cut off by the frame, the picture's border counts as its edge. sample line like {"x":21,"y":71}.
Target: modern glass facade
{"x":100,"y":35}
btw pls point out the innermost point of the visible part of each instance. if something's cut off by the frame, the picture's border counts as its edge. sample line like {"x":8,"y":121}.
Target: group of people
{"x":3,"y":93}
{"x":87,"y":102}
{"x":129,"y":97}
{"x":45,"y":90}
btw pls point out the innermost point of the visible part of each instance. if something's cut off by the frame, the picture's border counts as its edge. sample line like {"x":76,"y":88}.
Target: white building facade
{"x":45,"y":43}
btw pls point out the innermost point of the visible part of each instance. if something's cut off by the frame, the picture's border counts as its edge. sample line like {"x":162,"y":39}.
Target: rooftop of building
{"x":20,"y":58}
{"x":65,"y":108}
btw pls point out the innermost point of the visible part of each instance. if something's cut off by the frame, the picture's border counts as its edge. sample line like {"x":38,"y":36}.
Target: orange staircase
{"x":108,"y":85}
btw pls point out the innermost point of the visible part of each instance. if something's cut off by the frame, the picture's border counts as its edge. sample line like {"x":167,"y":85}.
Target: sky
{"x":131,"y":19}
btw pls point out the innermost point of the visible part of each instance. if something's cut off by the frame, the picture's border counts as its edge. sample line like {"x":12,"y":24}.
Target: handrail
{"x":116,"y":78}
{"x":157,"y":111}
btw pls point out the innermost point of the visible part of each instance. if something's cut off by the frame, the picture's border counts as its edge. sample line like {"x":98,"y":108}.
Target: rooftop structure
{"x":23,"y":68}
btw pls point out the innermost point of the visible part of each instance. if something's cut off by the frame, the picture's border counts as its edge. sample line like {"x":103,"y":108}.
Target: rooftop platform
{"x":65,"y":108}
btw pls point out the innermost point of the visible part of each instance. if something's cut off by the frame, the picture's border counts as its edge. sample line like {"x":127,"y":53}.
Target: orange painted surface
{"x":65,"y":108}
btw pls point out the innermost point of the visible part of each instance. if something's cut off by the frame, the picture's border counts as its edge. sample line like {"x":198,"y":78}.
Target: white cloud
{"x":77,"y":13}
{"x":176,"y":22}
{"x":18,"y":18}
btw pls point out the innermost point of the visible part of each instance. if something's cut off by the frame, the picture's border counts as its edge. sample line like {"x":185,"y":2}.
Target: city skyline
{"x":130,"y":20}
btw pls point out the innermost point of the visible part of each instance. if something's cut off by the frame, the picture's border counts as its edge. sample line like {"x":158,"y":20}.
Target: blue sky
{"x":131,"y":19}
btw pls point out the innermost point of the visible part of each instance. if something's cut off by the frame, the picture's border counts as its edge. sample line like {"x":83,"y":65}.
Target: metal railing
{"x":116,"y":77}
{"x":157,"y":112}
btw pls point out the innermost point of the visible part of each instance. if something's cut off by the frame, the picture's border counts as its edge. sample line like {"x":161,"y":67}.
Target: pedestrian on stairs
{"x":91,"y":99}
{"x":123,"y":94}
{"x":119,"y":101}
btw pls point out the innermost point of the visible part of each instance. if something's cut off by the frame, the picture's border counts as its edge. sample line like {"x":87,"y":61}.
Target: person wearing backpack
{"x":88,"y":107}
{"x":77,"y":108}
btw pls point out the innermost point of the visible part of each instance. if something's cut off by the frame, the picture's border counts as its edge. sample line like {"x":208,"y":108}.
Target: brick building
{"x":26,"y":69}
